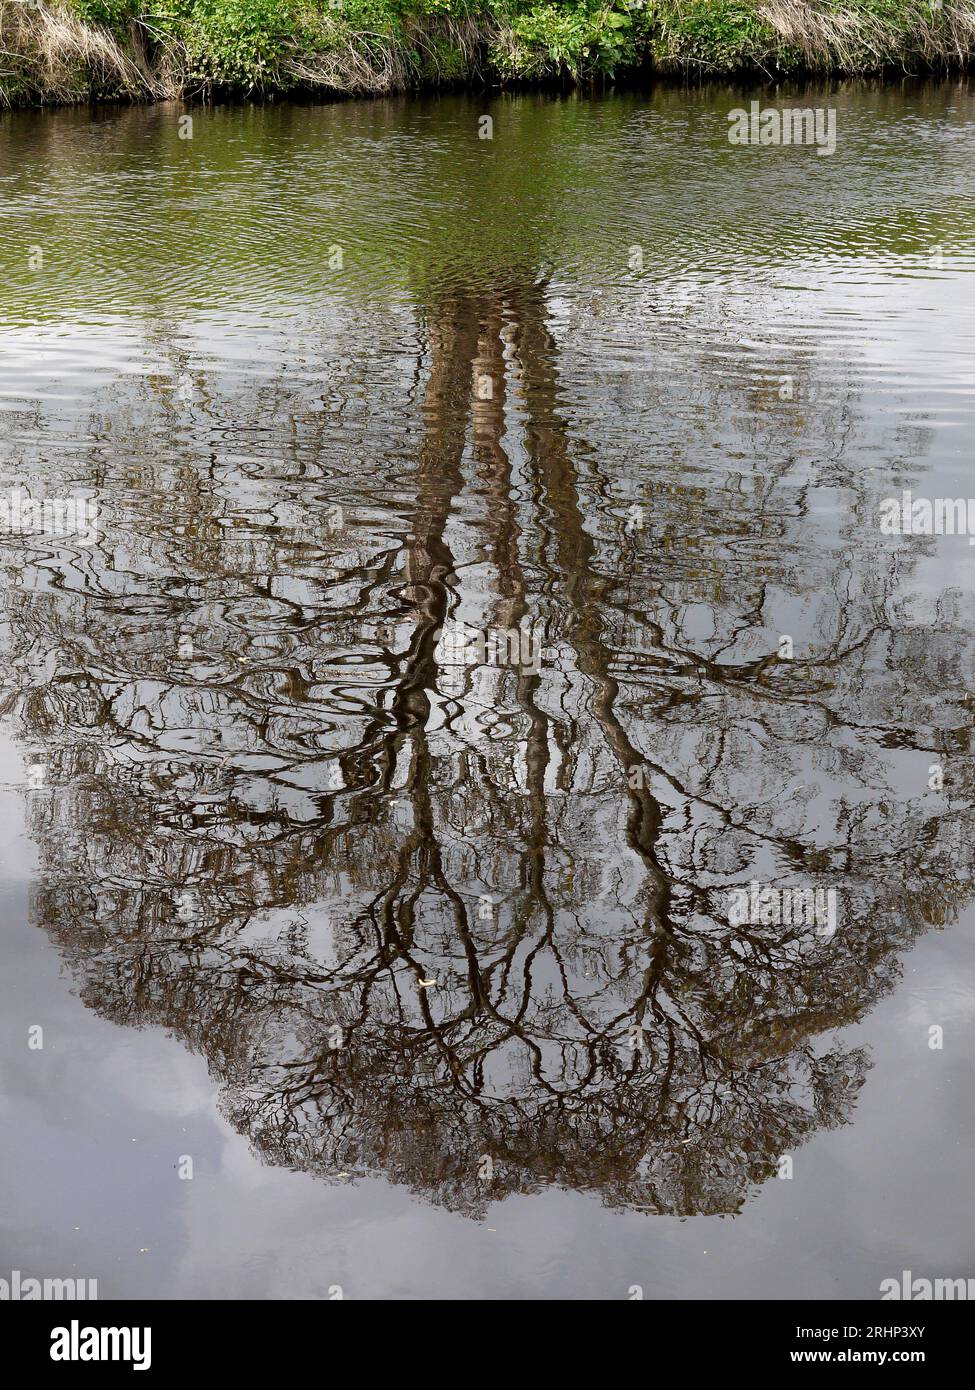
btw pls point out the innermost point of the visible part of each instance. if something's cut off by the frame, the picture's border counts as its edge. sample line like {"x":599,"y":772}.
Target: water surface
{"x":426,"y":962}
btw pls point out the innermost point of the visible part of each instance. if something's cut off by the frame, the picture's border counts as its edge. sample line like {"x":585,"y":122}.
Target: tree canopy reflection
{"x":417,"y":918}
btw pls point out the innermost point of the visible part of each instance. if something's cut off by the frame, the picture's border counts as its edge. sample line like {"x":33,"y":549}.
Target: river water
{"x":468,"y":582}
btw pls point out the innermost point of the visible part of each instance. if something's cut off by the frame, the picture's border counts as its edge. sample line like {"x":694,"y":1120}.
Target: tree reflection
{"x":468,"y":928}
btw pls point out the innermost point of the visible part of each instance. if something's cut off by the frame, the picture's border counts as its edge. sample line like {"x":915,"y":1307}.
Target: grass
{"x":71,"y":50}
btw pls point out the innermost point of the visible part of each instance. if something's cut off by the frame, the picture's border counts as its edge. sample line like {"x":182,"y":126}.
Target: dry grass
{"x":49,"y":54}
{"x":360,"y":64}
{"x":364,"y":63}
{"x":855,"y":40}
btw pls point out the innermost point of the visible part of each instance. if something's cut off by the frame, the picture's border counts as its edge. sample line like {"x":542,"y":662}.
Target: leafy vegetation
{"x":66,"y":49}
{"x":237,"y":43}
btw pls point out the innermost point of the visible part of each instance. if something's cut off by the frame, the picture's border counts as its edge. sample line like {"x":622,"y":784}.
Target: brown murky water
{"x":484,"y":585}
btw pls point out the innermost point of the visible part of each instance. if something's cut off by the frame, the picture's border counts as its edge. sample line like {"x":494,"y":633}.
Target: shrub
{"x":238,"y":43}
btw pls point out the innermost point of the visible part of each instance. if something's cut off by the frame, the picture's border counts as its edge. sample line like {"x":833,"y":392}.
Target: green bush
{"x":723,"y":34}
{"x":581,"y":39}
{"x":237,"y":43}
{"x":114,"y":14}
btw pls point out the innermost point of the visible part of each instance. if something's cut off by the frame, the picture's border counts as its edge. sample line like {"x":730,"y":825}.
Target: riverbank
{"x":59,"y":51}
